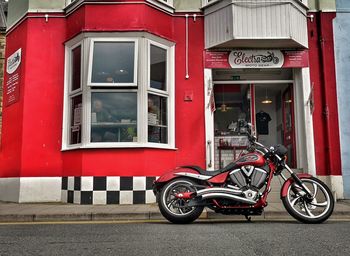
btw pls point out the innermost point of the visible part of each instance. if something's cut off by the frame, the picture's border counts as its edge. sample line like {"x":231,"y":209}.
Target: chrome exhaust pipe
{"x":229,"y":191}
{"x":228,"y":196}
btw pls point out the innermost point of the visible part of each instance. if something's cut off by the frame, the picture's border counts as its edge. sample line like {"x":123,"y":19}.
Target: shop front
{"x":267,"y":89}
{"x":126,"y":90}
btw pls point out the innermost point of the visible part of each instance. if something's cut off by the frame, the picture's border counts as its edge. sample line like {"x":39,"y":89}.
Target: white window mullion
{"x":142,"y":89}
{"x":86,"y":113}
{"x":66,"y":100}
{"x":171,"y":98}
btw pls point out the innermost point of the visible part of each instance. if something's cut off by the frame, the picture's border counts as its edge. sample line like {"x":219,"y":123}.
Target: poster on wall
{"x":256,"y":59}
{"x":13,"y":73}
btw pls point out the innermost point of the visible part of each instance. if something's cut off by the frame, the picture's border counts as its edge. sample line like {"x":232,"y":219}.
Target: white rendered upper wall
{"x":18,"y":8}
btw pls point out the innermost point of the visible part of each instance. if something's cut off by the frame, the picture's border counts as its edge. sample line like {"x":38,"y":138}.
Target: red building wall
{"x":32,"y":131}
{"x":12,"y":126}
{"x":323,"y":80}
{"x":32,"y":127}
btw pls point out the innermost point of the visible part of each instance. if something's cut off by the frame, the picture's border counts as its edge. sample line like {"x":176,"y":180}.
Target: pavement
{"x":60,"y":212}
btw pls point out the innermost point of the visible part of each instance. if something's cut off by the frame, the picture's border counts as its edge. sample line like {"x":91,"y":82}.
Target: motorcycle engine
{"x":249,"y":179}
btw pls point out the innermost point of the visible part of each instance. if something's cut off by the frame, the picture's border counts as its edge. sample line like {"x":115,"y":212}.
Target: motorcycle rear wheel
{"x":174,"y":209}
{"x":309,"y":210}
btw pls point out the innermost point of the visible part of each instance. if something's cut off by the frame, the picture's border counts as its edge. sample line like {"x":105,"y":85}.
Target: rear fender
{"x":176,"y":173}
{"x":173,"y":174}
{"x":287,"y":183}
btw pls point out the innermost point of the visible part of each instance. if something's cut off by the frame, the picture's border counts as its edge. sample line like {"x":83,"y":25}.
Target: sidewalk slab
{"x":56,"y":212}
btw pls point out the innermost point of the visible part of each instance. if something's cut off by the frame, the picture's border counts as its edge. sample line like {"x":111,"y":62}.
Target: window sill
{"x":119,"y":145}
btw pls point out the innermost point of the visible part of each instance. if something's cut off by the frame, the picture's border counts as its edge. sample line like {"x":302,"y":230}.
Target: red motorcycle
{"x":242,"y":187}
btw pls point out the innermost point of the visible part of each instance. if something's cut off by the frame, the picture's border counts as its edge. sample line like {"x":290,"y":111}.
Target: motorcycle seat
{"x":211,"y":173}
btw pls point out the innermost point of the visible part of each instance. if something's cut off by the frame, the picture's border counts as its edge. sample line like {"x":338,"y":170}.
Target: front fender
{"x":287,"y":183}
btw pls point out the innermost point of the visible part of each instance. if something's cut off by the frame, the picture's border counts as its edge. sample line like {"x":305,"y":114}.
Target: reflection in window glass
{"x":113,"y":62}
{"x":157,"y":119}
{"x":158,"y":68}
{"x":232,"y":109}
{"x":76,"y":68}
{"x":114,"y":117}
{"x":75,"y":122}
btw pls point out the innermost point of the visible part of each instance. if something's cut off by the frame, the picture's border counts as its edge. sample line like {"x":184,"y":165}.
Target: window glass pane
{"x":157,"y":119}
{"x":158,"y":68}
{"x":114,"y":117}
{"x":232,"y":109}
{"x":113,"y":62}
{"x":76,"y":68}
{"x":75,"y":120}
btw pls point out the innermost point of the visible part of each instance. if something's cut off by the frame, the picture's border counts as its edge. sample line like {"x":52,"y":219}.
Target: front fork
{"x":299,"y":187}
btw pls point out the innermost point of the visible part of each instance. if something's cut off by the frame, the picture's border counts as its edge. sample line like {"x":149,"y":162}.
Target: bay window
{"x":119,"y":92}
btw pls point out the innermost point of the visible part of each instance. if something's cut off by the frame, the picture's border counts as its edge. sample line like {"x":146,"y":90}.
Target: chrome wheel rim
{"x":313,"y":208}
{"x":174,"y":205}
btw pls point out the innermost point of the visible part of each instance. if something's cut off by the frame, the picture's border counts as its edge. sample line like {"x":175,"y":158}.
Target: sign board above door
{"x":256,"y":59}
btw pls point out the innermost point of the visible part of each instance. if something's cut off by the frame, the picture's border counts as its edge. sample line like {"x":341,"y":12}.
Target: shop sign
{"x":256,"y":59}
{"x":13,"y":68}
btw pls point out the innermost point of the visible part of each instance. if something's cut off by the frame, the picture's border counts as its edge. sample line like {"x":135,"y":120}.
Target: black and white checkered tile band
{"x":108,"y":190}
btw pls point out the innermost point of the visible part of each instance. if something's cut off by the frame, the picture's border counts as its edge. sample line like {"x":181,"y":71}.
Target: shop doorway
{"x":261,"y":97}
{"x":268,"y":106}
{"x":275,"y":117}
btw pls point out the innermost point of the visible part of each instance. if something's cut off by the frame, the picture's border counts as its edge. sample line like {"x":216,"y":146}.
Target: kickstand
{"x":248,"y":218}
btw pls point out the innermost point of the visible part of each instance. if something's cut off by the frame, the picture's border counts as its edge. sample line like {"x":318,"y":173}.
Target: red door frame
{"x":289,"y":136}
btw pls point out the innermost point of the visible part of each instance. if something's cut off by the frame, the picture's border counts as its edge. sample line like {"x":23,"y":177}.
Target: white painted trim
{"x":209,"y":120}
{"x":41,"y":189}
{"x":335,"y":183}
{"x":309,"y":127}
{"x":31,"y":189}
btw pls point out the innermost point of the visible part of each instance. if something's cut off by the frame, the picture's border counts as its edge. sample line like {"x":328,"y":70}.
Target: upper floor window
{"x":113,"y":62}
{"x":119,"y":93}
{"x":167,"y":5}
{"x":205,"y":2}
{"x":70,"y":1}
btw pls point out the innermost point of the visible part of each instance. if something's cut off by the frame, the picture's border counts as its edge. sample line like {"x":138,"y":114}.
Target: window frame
{"x":157,"y":92}
{"x":142,"y":88}
{"x":88,"y":120}
{"x":74,"y":93}
{"x":149,"y":88}
{"x":91,"y":59}
{"x":206,"y":2}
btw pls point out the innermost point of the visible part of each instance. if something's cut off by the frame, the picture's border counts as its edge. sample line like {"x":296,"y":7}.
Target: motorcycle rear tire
{"x":171,"y":215}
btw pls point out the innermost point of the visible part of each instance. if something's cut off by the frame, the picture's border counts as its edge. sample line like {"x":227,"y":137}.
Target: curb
{"x":146,"y":216}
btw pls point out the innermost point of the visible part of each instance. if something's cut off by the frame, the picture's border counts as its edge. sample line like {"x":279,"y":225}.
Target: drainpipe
{"x":325,"y":91}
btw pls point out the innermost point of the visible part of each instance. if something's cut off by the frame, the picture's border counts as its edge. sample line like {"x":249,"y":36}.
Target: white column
{"x":209,"y":119}
{"x":305,"y":145}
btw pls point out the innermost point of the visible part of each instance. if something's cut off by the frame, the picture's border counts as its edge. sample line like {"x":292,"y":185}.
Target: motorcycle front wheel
{"x":314,"y":209}
{"x":174,"y":209}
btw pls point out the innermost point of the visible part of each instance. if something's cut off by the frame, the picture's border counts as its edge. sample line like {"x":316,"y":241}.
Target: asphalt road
{"x":223,"y":238}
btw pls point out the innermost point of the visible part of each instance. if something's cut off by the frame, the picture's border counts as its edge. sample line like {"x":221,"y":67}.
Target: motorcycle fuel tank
{"x":254,"y":159}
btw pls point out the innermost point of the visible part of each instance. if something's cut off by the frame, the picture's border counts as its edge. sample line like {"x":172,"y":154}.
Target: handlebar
{"x":253,"y":139}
